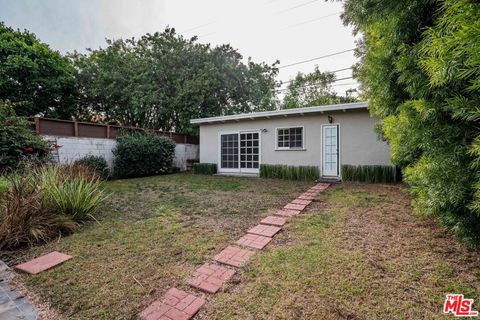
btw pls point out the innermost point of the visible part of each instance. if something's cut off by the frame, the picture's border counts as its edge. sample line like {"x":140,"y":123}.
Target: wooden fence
{"x":66,"y":128}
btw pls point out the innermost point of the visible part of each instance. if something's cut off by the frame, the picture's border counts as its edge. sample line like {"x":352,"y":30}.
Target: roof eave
{"x":285,"y":113}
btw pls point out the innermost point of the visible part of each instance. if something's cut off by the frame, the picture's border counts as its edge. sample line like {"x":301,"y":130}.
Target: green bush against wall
{"x":205,"y":168}
{"x":279,"y":171}
{"x":370,"y":174}
{"x":142,"y":154}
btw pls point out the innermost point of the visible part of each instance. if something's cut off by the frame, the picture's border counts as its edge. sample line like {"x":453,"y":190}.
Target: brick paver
{"x":306,"y":196}
{"x":233,"y":256}
{"x":274,"y":221}
{"x":174,"y":305}
{"x":293,"y":206}
{"x":210,"y":277}
{"x":300,"y":201}
{"x":254,"y":241}
{"x":286,"y":213}
{"x":263,"y":230}
{"x":317,"y":189}
{"x":43,"y":263}
{"x":321,"y":186}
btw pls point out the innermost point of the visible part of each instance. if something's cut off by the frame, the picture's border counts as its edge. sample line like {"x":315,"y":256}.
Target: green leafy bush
{"x":96,"y":163}
{"x":17,"y":141}
{"x":370,"y":174}
{"x":419,"y":67}
{"x":204,"y":168}
{"x":142,"y":154}
{"x":307,"y":173}
{"x":24,"y":218}
{"x":74,"y":191}
{"x":45,"y":202}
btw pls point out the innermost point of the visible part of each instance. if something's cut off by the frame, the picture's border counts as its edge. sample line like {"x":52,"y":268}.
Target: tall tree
{"x":163,"y":80}
{"x":312,"y":89}
{"x":34,"y":77}
{"x":420,"y":70}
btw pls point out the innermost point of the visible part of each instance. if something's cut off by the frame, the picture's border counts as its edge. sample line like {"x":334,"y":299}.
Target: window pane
{"x":229,"y":151}
{"x":290,"y":138}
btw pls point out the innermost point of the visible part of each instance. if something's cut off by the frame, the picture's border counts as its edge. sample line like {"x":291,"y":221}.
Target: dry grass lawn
{"x":357,"y":253}
{"x":152,"y":234}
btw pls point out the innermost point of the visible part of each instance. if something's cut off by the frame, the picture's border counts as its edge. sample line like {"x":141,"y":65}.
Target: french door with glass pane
{"x":240,"y":152}
{"x":330,"y":155}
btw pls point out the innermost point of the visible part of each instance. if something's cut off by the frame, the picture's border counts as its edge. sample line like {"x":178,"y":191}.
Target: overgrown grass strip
{"x":204,"y":168}
{"x":370,"y":174}
{"x":305,"y":173}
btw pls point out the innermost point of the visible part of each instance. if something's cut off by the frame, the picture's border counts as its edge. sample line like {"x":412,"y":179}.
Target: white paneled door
{"x":330,"y":155}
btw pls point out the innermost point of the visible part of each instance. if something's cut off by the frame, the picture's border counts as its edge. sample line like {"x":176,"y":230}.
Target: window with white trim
{"x":290,"y":138}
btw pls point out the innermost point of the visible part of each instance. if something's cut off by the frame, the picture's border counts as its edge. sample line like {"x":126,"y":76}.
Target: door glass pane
{"x":249,"y":156}
{"x":229,"y":150}
{"x":331,"y":151}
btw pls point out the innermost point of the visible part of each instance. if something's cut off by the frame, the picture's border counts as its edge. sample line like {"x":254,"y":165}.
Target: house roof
{"x":282,"y":113}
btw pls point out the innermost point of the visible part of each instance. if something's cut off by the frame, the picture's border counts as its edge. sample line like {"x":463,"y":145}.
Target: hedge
{"x":142,"y":154}
{"x":370,"y":174}
{"x":309,"y":173}
{"x":204,"y":168}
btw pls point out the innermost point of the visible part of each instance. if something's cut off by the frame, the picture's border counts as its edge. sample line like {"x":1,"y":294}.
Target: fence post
{"x":75,"y":128}
{"x":185,"y":139}
{"x":108,"y":131}
{"x":37,"y":124}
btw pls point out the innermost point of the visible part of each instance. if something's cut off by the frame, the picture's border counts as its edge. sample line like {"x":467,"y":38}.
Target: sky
{"x":266,"y":30}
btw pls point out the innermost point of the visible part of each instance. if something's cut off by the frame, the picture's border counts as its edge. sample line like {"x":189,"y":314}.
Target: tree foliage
{"x":420,"y":70}
{"x":312,"y":89}
{"x":17,"y":141}
{"x":163,"y":80}
{"x":34,"y":77}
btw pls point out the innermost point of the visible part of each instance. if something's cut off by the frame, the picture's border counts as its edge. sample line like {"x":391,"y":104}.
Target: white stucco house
{"x":326,"y":136}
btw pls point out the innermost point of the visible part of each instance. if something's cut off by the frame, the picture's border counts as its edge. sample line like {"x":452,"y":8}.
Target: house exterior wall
{"x":74,"y":148}
{"x":359,"y":144}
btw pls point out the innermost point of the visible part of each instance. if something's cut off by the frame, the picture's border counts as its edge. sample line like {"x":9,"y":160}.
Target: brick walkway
{"x":274,"y":221}
{"x":210,"y":277}
{"x":254,"y":241}
{"x":233,"y":256}
{"x":180,"y":305}
{"x":174,"y":305}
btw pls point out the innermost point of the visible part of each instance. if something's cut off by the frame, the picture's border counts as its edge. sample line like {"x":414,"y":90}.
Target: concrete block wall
{"x":74,"y":148}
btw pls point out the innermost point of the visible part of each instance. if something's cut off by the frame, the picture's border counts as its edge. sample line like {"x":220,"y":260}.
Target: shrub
{"x":74,"y":191}
{"x":204,"y":168}
{"x":308,"y":173}
{"x":96,"y":163}
{"x":370,"y":174}
{"x":4,"y":185}
{"x":17,"y":141}
{"x":42,"y":202}
{"x":24,"y":218}
{"x":142,"y":154}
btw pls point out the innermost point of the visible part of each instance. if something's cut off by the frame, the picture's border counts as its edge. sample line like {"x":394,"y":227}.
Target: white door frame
{"x":219,"y":153}
{"x":324,"y":173}
{"x":251,"y":170}
{"x":239,"y":169}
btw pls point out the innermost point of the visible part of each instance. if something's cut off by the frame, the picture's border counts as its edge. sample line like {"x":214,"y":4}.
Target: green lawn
{"x":357,"y":254}
{"x":151,"y":235}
